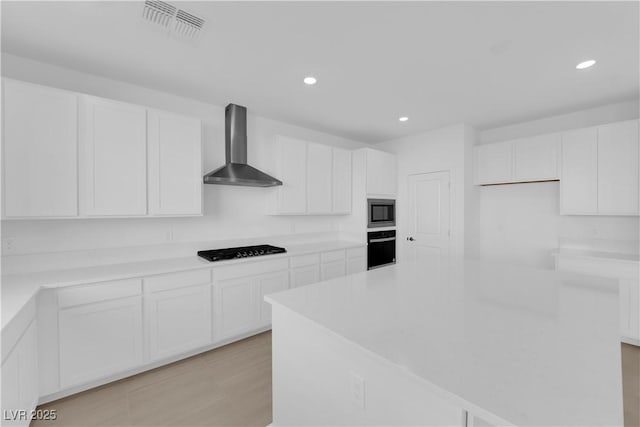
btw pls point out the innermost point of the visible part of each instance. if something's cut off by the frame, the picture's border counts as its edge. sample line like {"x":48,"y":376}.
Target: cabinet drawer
{"x":356,"y":252}
{"x":99,"y":292}
{"x":303,"y":260}
{"x":332,"y":256}
{"x":245,"y":269}
{"x":177,"y":280}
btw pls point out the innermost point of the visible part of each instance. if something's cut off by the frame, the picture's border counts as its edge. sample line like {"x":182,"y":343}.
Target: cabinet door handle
{"x":388,"y":239}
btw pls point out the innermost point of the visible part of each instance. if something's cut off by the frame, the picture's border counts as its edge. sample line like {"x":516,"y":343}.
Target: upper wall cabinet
{"x":520,"y":160}
{"x":600,"y":170}
{"x":382,"y":174}
{"x":40,"y":151}
{"x":316,"y":178}
{"x":113,"y":158}
{"x":175,"y":164}
{"x":69,"y":155}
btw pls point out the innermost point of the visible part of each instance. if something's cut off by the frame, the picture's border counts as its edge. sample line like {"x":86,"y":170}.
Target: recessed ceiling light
{"x":403,"y":119}
{"x":586,"y":64}
{"x":310,"y":80}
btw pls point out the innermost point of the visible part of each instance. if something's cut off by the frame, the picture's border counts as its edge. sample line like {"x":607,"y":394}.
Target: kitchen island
{"x":451,"y":342}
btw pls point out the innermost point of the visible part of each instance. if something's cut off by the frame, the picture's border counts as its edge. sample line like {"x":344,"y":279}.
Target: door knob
{"x":410,"y":239}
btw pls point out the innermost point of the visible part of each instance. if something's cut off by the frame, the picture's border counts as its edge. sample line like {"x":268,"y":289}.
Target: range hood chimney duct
{"x":236,"y":171}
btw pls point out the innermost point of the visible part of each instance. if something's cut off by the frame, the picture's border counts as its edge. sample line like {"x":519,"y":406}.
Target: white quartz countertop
{"x":534,"y":347}
{"x":18,"y":289}
{"x":582,"y":253}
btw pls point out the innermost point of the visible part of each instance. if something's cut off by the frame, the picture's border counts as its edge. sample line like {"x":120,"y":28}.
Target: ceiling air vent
{"x":176,"y":21}
{"x":159,"y":12}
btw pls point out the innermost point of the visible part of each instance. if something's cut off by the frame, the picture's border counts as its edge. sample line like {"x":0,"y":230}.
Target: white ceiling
{"x":439,"y":63}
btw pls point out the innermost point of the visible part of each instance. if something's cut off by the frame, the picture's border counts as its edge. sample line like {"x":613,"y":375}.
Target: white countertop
{"x":18,"y":289}
{"x":534,"y":347}
{"x":582,"y":253}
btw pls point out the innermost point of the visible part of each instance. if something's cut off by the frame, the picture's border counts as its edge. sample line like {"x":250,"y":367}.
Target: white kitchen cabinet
{"x":268,"y":284}
{"x":579,"y":177}
{"x":239,"y":296}
{"x":493,"y":163}
{"x":536,"y":158}
{"x":304,"y":270}
{"x":20,"y":379}
{"x":628,"y":274}
{"x":40,"y":144}
{"x":178,"y":320}
{"x":319,"y":177}
{"x":235,"y":306}
{"x":618,"y":168}
{"x":356,"y":260}
{"x":175,"y":164}
{"x":99,"y":339}
{"x":382,"y":174}
{"x":341,"y":181}
{"x":332,"y":264}
{"x":316,"y":178}
{"x":113,"y":158}
{"x":291,"y":169}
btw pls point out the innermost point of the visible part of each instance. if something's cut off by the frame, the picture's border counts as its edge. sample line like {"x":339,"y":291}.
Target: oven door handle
{"x":388,"y":239}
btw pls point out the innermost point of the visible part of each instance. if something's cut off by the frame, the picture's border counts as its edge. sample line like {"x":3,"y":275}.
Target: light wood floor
{"x":228,"y":386}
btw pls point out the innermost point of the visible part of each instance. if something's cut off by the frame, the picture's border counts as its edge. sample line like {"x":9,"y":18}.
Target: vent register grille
{"x":175,"y":20}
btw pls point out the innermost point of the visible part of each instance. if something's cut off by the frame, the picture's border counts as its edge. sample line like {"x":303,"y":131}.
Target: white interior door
{"x":428,"y":231}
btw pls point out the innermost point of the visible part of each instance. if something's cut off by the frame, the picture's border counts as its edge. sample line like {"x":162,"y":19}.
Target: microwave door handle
{"x":387,"y":239}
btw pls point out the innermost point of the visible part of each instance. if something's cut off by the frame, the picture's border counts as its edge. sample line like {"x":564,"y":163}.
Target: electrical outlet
{"x":8,"y":245}
{"x":357,"y":390}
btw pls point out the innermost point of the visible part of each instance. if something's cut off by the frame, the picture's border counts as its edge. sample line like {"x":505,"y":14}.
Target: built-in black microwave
{"x":381,"y":213}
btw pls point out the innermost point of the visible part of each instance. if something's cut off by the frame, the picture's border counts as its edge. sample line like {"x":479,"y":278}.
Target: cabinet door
{"x":493,"y":163}
{"x":291,"y":156}
{"x":319,"y":173}
{"x":536,"y":158}
{"x":618,"y":168}
{"x":29,"y":379}
{"x":332,"y":269}
{"x":11,"y":389}
{"x":178,"y":320}
{"x":269,"y":284}
{"x":341,"y":181}
{"x":113,"y":158}
{"x":235,"y":308}
{"x":381,"y":173}
{"x":630,"y":309}
{"x":356,"y":265}
{"x":305,"y":275}
{"x":100,"y":339}
{"x":40,"y":151}
{"x":579,"y":175}
{"x":175,"y":164}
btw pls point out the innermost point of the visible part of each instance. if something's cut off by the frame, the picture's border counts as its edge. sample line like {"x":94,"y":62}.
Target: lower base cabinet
{"x":239,"y":301}
{"x":100,"y":339}
{"x":20,"y":380}
{"x":178,"y":320}
{"x":628,"y":275}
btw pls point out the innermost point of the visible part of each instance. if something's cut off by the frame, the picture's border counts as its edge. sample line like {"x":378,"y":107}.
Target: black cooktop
{"x":240,"y":252}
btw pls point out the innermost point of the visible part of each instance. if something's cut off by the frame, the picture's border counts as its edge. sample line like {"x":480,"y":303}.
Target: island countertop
{"x":533,"y":347}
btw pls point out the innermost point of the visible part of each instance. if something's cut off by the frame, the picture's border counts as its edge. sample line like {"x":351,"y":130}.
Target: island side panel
{"x":320,"y":378}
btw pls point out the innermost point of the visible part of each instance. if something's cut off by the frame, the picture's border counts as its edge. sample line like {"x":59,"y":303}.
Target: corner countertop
{"x":582,"y":253}
{"x":18,"y":289}
{"x":533,"y":347}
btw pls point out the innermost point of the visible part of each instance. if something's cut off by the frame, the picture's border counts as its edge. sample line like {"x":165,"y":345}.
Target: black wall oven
{"x":381,"y":248}
{"x":381,"y":213}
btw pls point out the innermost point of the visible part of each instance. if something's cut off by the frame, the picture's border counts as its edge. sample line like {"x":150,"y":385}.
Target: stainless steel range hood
{"x":236,"y":171}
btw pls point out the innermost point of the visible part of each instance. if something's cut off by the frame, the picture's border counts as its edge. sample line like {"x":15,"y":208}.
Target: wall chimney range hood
{"x":236,"y":171}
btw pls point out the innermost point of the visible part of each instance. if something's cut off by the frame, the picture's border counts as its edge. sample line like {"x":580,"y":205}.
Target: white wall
{"x":521,"y":222}
{"x":230,"y":212}
{"x":437,"y":150}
